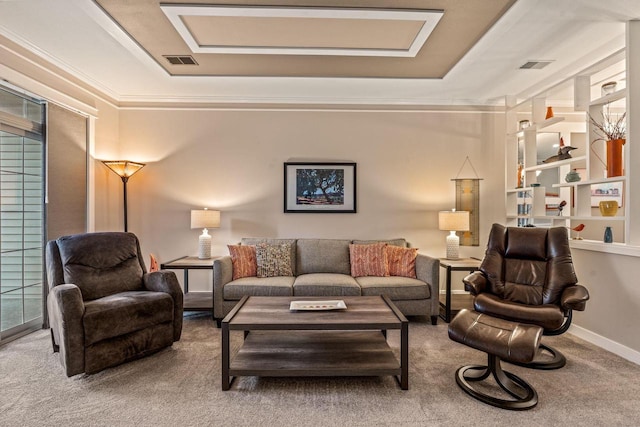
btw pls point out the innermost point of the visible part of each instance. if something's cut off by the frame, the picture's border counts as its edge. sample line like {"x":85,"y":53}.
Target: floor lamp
{"x":124,"y":169}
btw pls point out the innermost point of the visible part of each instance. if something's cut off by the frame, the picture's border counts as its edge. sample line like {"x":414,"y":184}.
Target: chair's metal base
{"x":525,"y":396}
{"x":556,"y":361}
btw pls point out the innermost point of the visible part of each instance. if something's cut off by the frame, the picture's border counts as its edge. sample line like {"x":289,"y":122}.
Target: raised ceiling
{"x":380,"y":38}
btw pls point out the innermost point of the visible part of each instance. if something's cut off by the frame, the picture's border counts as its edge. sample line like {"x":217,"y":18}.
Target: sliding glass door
{"x":21,"y":215}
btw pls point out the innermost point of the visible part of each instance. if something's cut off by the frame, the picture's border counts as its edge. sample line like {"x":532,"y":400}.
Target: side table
{"x":193,"y":301}
{"x":454,"y":303}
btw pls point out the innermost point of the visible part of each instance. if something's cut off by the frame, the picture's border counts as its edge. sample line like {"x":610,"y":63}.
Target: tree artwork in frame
{"x":319,"y":187}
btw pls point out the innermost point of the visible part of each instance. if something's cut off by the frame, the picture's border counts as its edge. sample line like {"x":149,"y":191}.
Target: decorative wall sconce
{"x":124,"y":169}
{"x":468,"y":199}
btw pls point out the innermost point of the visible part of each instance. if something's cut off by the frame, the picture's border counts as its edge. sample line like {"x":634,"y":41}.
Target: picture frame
{"x":607,"y":191}
{"x":319,"y":187}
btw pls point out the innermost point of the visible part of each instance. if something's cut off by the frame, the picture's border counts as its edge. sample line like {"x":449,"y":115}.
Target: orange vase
{"x":549,"y":113}
{"x":614,"y":157}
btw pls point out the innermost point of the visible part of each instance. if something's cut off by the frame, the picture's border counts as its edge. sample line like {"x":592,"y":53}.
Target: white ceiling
{"x":78,"y":37}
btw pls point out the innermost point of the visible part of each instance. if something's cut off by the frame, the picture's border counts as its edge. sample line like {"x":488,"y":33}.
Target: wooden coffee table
{"x":279,"y":342}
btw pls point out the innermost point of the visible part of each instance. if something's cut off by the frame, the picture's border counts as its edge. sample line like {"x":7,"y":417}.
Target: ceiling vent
{"x":535,"y":65}
{"x":181,"y":60}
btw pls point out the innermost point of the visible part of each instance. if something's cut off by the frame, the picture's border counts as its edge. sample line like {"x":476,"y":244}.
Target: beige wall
{"x":613,"y":311}
{"x":233,"y":161}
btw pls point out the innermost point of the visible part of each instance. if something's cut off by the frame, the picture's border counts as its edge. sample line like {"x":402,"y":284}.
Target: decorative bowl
{"x":608,"y":207}
{"x":608,"y":88}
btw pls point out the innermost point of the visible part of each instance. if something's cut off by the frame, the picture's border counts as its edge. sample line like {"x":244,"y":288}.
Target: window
{"x":21,"y":214}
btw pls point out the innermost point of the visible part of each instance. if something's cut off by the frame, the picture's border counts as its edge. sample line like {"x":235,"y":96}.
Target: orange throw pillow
{"x":402,"y":261}
{"x":368,"y":260}
{"x":153,"y":264}
{"x":243,"y":258}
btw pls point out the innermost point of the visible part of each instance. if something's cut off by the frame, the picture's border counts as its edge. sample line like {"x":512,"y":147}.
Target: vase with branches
{"x":612,"y":129}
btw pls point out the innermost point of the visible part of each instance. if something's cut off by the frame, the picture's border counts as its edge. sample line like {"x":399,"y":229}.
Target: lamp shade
{"x":124,"y":168}
{"x":453,"y":220}
{"x":204,"y":218}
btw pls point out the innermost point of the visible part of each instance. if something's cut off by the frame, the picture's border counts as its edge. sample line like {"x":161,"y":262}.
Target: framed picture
{"x":319,"y":187}
{"x":607,"y":191}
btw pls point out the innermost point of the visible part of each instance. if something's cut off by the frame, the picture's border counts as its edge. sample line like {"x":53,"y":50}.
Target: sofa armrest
{"x":574,"y":297}
{"x":475,"y":283}
{"x":222,"y":274}
{"x":66,"y":311}
{"x":428,"y":270}
{"x":167,"y":282}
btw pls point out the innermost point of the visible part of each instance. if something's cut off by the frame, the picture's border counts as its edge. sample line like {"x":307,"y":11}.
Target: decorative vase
{"x":608,"y":235}
{"x":614,"y":157}
{"x":608,"y":207}
{"x":549,"y":113}
{"x":573,"y":176}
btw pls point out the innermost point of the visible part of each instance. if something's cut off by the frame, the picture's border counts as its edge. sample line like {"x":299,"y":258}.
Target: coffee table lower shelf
{"x":315,"y":353}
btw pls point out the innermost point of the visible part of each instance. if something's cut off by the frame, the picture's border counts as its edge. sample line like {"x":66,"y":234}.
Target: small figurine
{"x":578,"y":228}
{"x":561,"y":206}
{"x":520,"y":175}
{"x":563,"y":153}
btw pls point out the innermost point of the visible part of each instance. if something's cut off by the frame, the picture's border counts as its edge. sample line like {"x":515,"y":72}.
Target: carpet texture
{"x":181,"y":386}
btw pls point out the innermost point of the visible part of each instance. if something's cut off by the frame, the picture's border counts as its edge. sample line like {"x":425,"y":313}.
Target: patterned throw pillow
{"x":368,"y":260}
{"x":243,"y":258}
{"x":402,"y":261}
{"x":273,"y":259}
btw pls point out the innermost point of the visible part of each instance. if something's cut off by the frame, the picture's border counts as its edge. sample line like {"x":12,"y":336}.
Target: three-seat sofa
{"x":322,"y":267}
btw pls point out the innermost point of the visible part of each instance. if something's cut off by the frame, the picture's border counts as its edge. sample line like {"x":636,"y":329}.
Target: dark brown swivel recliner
{"x":104,"y":308}
{"x":527,"y":276}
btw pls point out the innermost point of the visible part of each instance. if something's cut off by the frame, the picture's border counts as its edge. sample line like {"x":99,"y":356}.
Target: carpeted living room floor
{"x":181,"y":386}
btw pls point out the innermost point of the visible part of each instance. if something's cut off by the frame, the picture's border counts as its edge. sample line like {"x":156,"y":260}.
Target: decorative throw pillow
{"x":274,"y":259}
{"x":153,"y":264}
{"x":402,"y":261}
{"x":243,"y":259}
{"x":368,"y":260}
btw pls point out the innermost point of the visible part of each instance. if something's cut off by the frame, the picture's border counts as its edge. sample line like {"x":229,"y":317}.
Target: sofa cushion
{"x":123,"y":313}
{"x":402,"y":261}
{"x":396,"y":288}
{"x":322,"y":256}
{"x":394,"y":242}
{"x":257,"y":240}
{"x":259,"y":286}
{"x":369,"y":260}
{"x":243,"y":259}
{"x":325,"y":284}
{"x":273,"y":260}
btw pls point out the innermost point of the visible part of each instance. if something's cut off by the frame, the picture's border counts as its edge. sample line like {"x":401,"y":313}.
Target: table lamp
{"x":453,"y":221}
{"x":204,"y":219}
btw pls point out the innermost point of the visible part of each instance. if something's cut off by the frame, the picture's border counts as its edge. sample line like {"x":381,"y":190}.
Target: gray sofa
{"x":321,"y":267}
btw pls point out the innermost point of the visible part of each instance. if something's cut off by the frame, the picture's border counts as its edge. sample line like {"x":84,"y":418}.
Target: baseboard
{"x":606,"y":344}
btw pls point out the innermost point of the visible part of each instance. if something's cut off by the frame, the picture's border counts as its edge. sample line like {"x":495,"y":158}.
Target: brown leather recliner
{"x":527,"y":276}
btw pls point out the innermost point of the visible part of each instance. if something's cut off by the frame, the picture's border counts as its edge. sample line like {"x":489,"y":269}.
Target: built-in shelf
{"x":612,"y":248}
{"x":615,"y":96}
{"x":556,"y":164}
{"x":591,"y":182}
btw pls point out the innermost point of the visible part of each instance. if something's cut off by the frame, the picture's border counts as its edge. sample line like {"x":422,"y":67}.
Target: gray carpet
{"x":181,"y":386}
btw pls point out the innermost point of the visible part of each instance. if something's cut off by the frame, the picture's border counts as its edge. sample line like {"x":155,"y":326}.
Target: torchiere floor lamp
{"x":124,"y":169}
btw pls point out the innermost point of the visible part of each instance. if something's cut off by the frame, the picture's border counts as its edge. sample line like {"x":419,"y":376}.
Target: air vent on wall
{"x":535,"y":65}
{"x":181,"y":59}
